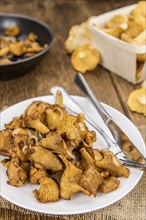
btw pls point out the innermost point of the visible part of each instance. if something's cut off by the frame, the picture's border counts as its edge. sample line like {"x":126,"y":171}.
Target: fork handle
{"x":81,"y":82}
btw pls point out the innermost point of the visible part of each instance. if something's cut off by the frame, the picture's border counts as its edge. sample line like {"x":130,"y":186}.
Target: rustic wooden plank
{"x":123,"y":89}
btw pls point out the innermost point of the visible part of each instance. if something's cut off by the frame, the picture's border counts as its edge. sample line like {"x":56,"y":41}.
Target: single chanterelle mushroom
{"x":36,"y":175}
{"x":109,"y":184}
{"x":69,"y":183}
{"x":42,"y":158}
{"x":53,"y":116}
{"x":16,"y":174}
{"x":91,"y":178}
{"x":78,"y":35}
{"x":112,"y":164}
{"x":48,"y":192}
{"x":54,"y":142}
{"x":36,"y":124}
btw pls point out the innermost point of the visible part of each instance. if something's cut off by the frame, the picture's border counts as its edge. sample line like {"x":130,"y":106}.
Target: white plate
{"x":79,"y":203}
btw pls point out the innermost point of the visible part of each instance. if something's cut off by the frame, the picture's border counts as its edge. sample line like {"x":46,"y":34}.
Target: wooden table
{"x":56,"y":69}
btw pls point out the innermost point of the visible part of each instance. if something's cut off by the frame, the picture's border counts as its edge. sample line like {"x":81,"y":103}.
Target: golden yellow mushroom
{"x":48,"y":192}
{"x":69,"y":183}
{"x":111,"y":163}
{"x":134,"y":29}
{"x":53,"y":116}
{"x":6,"y":162}
{"x":53,"y":142}
{"x":32,"y":37}
{"x":5,"y":143}
{"x":85,"y":58}
{"x":59,"y":98}
{"x":137,"y":101}
{"x":17,"y":48}
{"x":127,"y":38}
{"x":4,"y":51}
{"x":110,"y":183}
{"x":91,"y":180}
{"x":141,"y":38}
{"x":78,"y":35}
{"x":4,"y":42}
{"x":35,"y":47}
{"x":4,"y":61}
{"x":13,"y":30}
{"x":116,"y":30}
{"x":16,"y":174}
{"x":35,"y":109}
{"x":35,"y":175}
{"x":116,"y":21}
{"x":14,"y":124}
{"x":141,"y":57}
{"x":44,"y":159}
{"x":37,"y":124}
{"x":140,"y":9}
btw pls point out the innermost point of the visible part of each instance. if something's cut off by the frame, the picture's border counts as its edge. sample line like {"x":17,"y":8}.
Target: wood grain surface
{"x":56,"y":69}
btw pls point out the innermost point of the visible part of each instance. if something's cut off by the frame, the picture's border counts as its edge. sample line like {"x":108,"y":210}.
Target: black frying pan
{"x":27,"y":24}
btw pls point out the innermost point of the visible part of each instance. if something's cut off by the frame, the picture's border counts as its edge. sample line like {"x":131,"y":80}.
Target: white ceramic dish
{"x":116,"y":55}
{"x":79,"y":203}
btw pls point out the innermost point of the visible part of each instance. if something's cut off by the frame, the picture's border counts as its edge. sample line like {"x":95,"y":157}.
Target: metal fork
{"x":117,"y":132}
{"x":110,"y":143}
{"x":74,"y":108}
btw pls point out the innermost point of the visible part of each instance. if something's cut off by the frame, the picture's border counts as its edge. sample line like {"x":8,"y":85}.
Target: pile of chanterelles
{"x":48,"y":146}
{"x":13,"y":49}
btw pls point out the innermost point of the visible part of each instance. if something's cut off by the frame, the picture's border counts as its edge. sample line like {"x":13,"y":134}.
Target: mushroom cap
{"x":85,"y":58}
{"x":137,"y":101}
{"x":48,"y":192}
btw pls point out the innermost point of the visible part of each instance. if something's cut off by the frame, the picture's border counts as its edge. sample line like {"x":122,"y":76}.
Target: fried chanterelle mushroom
{"x":111,"y":163}
{"x":48,"y":192}
{"x":91,"y":178}
{"x":48,"y":146}
{"x":16,"y":174}
{"x":43,"y":158}
{"x":15,"y":46}
{"x":69,"y":183}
